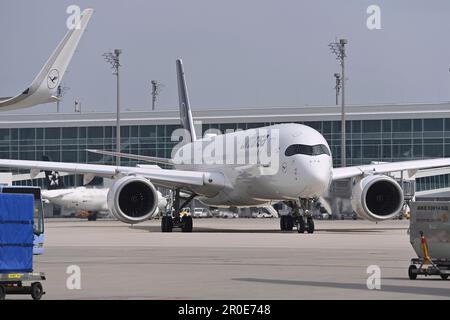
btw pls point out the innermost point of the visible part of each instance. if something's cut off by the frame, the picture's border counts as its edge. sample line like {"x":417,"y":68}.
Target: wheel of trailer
{"x":301,"y":226}
{"x":2,"y":292}
{"x":92,"y":217}
{"x":310,"y":225}
{"x":186,"y":224}
{"x":444,"y":276}
{"x":411,"y":272}
{"x":37,"y":291}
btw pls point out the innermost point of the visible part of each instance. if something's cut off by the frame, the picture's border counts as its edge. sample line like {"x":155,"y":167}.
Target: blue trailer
{"x":38,"y":226}
{"x":16,"y":246}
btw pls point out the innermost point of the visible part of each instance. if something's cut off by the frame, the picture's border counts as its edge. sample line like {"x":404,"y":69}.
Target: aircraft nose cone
{"x":319,"y":176}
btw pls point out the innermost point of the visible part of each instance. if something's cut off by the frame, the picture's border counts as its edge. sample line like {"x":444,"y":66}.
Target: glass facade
{"x":432,"y":183}
{"x":388,"y":140}
{"x":367,"y":140}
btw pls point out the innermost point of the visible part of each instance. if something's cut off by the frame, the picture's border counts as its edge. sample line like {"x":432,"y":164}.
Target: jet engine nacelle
{"x":132,"y":199}
{"x":377,"y":198}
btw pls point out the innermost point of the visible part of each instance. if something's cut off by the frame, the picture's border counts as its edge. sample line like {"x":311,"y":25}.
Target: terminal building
{"x":389,"y":132}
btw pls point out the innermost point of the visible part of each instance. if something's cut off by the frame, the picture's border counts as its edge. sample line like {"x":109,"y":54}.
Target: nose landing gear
{"x":300,"y":216}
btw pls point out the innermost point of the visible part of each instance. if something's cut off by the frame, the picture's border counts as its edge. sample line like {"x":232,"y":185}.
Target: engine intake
{"x":133,"y":199}
{"x":377,"y":198}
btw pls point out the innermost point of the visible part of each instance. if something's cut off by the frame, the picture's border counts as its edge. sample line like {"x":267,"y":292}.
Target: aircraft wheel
{"x":301,"y":226}
{"x":186,"y":224}
{"x":92,"y":217}
{"x":412,"y":275}
{"x":290,"y":222}
{"x":284,"y":223}
{"x":166,"y":224}
{"x":310,"y":225}
{"x":163,"y":224}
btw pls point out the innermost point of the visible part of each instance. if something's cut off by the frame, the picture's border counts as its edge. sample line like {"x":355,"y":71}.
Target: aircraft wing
{"x":133,"y":156}
{"x":160,"y":177}
{"x":412,"y":166}
{"x":44,"y":87}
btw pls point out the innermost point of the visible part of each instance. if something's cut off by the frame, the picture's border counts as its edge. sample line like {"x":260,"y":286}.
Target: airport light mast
{"x":60,"y":91}
{"x":77,"y":105}
{"x":156,"y":90}
{"x":113,"y":59}
{"x":338,"y":49}
{"x":337,"y":87}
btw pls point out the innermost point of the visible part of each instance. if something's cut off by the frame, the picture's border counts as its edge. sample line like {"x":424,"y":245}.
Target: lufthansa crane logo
{"x":53,"y":79}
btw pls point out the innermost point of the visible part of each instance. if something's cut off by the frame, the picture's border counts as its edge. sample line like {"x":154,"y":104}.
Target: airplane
{"x":299,"y":172}
{"x":44,"y":88}
{"x":89,"y":201}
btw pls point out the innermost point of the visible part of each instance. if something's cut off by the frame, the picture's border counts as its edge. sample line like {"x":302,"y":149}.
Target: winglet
{"x":185,"y":108}
{"x":43,"y":88}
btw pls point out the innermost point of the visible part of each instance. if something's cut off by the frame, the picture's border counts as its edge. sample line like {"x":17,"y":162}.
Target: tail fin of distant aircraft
{"x":53,"y":180}
{"x":185,"y":108}
{"x":44,"y":87}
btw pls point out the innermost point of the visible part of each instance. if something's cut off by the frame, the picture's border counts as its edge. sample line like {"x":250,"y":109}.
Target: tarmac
{"x":231,"y":259}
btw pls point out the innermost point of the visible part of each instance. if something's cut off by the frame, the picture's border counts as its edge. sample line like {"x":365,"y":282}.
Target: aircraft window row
{"x":307,"y":150}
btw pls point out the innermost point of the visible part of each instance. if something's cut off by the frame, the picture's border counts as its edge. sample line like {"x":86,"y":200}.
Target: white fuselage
{"x":300,"y":175}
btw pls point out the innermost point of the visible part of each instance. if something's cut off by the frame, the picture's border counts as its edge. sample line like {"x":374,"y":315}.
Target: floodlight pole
{"x":118,"y":149}
{"x":338,"y":86}
{"x":154,"y":93}
{"x":59,"y":96}
{"x":156,"y":89}
{"x":338,"y":48}
{"x":343,"y":42}
{"x":113,"y":59}
{"x":60,"y":92}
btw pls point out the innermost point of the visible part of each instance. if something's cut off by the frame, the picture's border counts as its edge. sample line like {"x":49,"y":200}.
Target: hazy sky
{"x":254,"y":53}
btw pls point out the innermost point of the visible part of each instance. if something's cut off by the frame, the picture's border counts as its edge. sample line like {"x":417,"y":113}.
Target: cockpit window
{"x":307,"y":150}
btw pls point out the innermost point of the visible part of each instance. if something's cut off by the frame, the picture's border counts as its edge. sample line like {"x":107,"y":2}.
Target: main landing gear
{"x":300,"y":217}
{"x":92,"y":216}
{"x":174,"y":218}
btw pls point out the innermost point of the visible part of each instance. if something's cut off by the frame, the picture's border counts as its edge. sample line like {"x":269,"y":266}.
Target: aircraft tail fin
{"x":185,"y":108}
{"x":61,"y":57}
{"x":44,"y":87}
{"x":53,"y":180}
